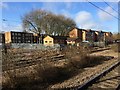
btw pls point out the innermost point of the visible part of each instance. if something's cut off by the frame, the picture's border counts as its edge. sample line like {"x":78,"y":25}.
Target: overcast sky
{"x":83,"y":13}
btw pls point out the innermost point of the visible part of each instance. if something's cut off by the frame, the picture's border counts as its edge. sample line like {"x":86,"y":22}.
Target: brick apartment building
{"x":2,"y":38}
{"x":77,"y":35}
{"x":20,"y":37}
{"x":92,"y":35}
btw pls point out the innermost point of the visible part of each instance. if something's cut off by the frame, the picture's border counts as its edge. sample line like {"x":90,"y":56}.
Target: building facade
{"x":2,"y":38}
{"x":91,"y":35}
{"x":76,"y":33}
{"x":75,"y":36}
{"x":108,"y":37}
{"x":20,"y":37}
{"x":51,"y":40}
{"x":48,"y":41}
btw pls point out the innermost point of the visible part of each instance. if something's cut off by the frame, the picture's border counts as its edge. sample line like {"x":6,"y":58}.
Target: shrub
{"x":79,"y":58}
{"x":76,"y":56}
{"x":47,"y":73}
{"x":16,"y":82}
{"x":116,"y":47}
{"x":52,"y":74}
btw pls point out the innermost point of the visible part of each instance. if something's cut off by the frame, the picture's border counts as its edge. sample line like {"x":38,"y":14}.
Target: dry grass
{"x":116,"y":47}
{"x":14,"y":55}
{"x":79,"y":58}
{"x":42,"y":75}
{"x":46,"y":73}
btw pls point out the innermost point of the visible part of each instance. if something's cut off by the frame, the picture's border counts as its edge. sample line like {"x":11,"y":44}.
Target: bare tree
{"x":40,"y":21}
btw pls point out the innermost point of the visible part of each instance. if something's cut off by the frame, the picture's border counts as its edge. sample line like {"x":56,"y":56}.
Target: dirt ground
{"x":73,"y":81}
{"x":107,"y":53}
{"x":90,"y":71}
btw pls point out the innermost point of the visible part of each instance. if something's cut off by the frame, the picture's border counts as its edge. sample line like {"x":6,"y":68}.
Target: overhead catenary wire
{"x":10,"y":25}
{"x":111,"y":7}
{"x":103,"y":10}
{"x":10,"y":20}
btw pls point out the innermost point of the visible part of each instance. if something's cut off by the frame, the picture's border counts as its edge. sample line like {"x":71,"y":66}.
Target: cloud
{"x":84,"y":20}
{"x":4,"y":5}
{"x":106,"y":17}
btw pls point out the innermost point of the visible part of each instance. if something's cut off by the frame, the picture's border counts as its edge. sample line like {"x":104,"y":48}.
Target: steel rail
{"x":30,"y":62}
{"x":97,"y":77}
{"x":118,"y":87}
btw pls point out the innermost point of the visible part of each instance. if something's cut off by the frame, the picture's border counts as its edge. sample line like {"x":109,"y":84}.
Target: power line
{"x":11,"y":20}
{"x":102,"y":10}
{"x":110,"y":6}
{"x":10,"y":24}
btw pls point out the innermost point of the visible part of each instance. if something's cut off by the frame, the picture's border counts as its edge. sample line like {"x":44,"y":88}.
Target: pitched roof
{"x":92,"y":30}
{"x":57,"y":37}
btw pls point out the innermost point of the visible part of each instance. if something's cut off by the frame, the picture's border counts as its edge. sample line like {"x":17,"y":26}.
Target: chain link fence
{"x":33,"y":46}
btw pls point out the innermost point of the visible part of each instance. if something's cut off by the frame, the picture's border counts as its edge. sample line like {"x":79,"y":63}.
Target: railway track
{"x":30,"y":62}
{"x":99,"y":49}
{"x":106,"y":80}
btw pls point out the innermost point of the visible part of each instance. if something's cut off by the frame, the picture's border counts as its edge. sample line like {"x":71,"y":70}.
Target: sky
{"x":84,"y":14}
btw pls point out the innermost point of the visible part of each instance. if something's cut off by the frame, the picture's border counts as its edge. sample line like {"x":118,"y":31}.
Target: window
{"x":50,"y":41}
{"x":28,"y":41}
{"x":19,"y":34}
{"x":45,"y":41}
{"x":26,"y":35}
{"x":12,"y":33}
{"x":31,"y":35}
{"x":13,"y":37}
{"x":19,"y":37}
{"x":15,"y":33}
{"x":23,"y":35}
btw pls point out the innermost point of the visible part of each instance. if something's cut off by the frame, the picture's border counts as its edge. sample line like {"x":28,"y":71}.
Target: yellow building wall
{"x":8,"y":37}
{"x":83,"y":35}
{"x":35,"y":35}
{"x":107,"y":36}
{"x":73,"y":33}
{"x":48,"y":41}
{"x":96,"y":33}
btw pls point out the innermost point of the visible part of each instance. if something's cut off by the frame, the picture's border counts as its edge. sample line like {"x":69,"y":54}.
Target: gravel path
{"x":89,"y":72}
{"x":110,"y":81}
